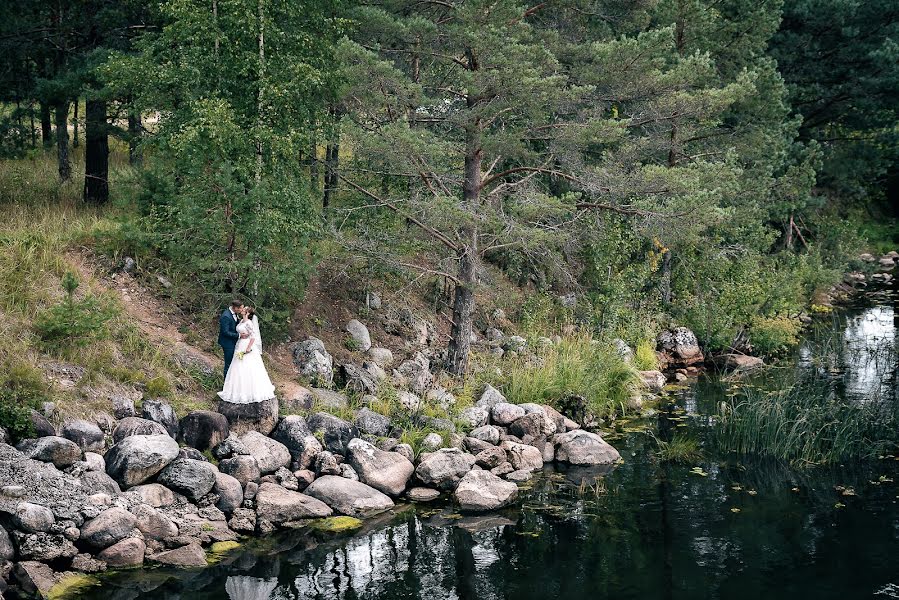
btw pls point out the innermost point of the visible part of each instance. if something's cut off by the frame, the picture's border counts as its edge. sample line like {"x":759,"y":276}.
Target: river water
{"x":645,"y":530}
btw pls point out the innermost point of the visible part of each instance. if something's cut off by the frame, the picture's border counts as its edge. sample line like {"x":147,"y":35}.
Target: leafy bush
{"x":577,"y":365}
{"x":159,"y":387}
{"x":22,"y":389}
{"x":72,"y":322}
{"x":774,"y":335}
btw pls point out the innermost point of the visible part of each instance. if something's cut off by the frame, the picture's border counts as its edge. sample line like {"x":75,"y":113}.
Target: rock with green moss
{"x":71,"y":585}
{"x":337,"y":524}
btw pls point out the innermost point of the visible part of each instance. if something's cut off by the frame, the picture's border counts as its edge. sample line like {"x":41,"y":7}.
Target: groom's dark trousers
{"x":228,"y":336}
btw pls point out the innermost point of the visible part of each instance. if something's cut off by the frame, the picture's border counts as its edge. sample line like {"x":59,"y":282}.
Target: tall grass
{"x":807,"y":423}
{"x":577,"y":365}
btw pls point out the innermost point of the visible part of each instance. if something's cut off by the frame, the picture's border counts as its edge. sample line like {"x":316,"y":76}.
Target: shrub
{"x":577,"y":365}
{"x":72,"y":322}
{"x":645,"y":358}
{"x":774,"y":335}
{"x":159,"y":387}
{"x":22,"y":389}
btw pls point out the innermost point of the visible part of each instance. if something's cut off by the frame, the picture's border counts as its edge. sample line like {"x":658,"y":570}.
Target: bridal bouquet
{"x":243,"y":353}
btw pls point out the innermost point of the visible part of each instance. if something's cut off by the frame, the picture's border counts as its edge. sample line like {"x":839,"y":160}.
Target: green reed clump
{"x":576,"y":365}
{"x":680,"y":449}
{"x":807,"y":423}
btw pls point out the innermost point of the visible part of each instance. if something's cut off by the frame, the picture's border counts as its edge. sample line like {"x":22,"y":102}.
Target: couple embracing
{"x":246,"y":379}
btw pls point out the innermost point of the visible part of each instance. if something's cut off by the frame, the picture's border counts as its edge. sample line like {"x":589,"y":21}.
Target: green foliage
{"x":22,"y":389}
{"x":774,"y":335}
{"x":806,"y":423}
{"x":159,"y":387}
{"x":645,"y":358}
{"x":73,"y":323}
{"x":577,"y":365}
{"x":680,"y":449}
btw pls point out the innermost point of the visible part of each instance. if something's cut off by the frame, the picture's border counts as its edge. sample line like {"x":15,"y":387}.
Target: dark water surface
{"x":647,"y":530}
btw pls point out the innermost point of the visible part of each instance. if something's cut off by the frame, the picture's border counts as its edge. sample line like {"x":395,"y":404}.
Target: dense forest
{"x":712,"y":163}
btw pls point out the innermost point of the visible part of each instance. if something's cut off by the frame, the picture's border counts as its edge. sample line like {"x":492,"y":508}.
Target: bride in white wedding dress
{"x":247,"y":379}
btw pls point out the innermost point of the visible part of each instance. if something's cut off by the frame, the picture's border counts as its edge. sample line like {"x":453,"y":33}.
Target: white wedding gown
{"x":247,"y":379}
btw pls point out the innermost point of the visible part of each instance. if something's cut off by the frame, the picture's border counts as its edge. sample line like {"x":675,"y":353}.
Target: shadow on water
{"x":646,"y":530}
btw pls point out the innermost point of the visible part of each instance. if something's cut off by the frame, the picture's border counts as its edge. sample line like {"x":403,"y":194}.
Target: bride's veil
{"x":256,"y":334}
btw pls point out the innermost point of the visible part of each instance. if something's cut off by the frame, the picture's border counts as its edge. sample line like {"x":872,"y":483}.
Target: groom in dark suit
{"x":228,"y":335}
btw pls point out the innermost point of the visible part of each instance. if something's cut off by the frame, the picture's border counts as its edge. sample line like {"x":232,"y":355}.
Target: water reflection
{"x":870,"y":352}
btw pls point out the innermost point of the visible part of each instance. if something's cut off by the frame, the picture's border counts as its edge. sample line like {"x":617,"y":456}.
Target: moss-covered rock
{"x":337,"y":524}
{"x":71,"y":586}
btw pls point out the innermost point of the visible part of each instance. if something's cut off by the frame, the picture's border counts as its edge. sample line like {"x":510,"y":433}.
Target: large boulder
{"x":372,"y":423}
{"x":382,"y":357}
{"x":482,"y":491}
{"x":191,"y":478}
{"x":358,"y":380}
{"x":278,"y":505}
{"x":251,"y":416}
{"x":126,"y":553}
{"x":230,"y":493}
{"x":335,"y":433}
{"x":160,"y":412}
{"x":474,"y":417}
{"x":348,"y":497}
{"x":137,"y":458}
{"x":491,"y":457}
{"x":99,"y":481}
{"x":46,"y":547}
{"x":292,"y":431}
{"x":739,"y":363}
{"x":35,"y":578}
{"x":490,"y":397}
{"x":154,"y":524}
{"x":503,"y":413}
{"x":522,"y":456}
{"x":328,"y":399}
{"x":7,"y":551}
{"x":270,"y":454}
{"x":444,"y":469}
{"x":242,"y":467}
{"x":85,"y":434}
{"x":581,"y":447}
{"x":679,"y":348}
{"x":122,"y":407}
{"x":654,"y":381}
{"x":387,"y":472}
{"x":191,"y":555}
{"x":415,"y":373}
{"x":313,"y":361}
{"x":359,"y":334}
{"x":203,"y":429}
{"x":136,"y":426}
{"x":534,"y":424}
{"x":154,"y":494}
{"x":107,"y":528}
{"x":61,"y":452}
{"x":42,"y":425}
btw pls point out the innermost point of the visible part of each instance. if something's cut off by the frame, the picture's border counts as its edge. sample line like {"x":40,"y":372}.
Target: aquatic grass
{"x":806,"y":423}
{"x":577,"y":365}
{"x":679,"y":449}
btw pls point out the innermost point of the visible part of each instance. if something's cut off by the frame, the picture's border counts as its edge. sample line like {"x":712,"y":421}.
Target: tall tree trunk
{"x":464,"y":299}
{"x":314,"y":171}
{"x":46,"y":125}
{"x":33,"y":130}
{"x":96,"y":153}
{"x":134,"y":132}
{"x":332,"y":164}
{"x":75,"y":141}
{"x":61,"y":112}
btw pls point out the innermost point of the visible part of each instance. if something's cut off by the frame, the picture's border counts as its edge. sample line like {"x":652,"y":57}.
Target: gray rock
{"x":191,"y":478}
{"x":432,"y":441}
{"x":203,"y":429}
{"x":269,"y":454}
{"x":406,"y":450}
{"x":278,"y":505}
{"x":99,"y":481}
{"x":514,"y":343}
{"x":42,"y":426}
{"x":137,"y":458}
{"x":347,"y":470}
{"x":191,"y":555}
{"x":243,"y":520}
{"x":523,"y":457}
{"x":153,"y":523}
{"x":486,"y":433}
{"x":313,"y":361}
{"x":126,"y":553}
{"x":232,"y":446}
{"x":581,"y":447}
{"x":368,"y":421}
{"x":505,"y":414}
{"x":51,"y":449}
{"x":519,"y":476}
{"x":408,"y":400}
{"x":136,"y":426}
{"x":252,"y":416}
{"x":192,"y":454}
{"x":43,"y":546}
{"x":160,"y":412}
{"x":535,"y":425}
{"x":230,"y":493}
{"x":287,"y":480}
{"x":680,"y":346}
{"x":95,"y":462}
{"x":33,"y":518}
{"x":357,"y":380}
{"x":359,"y":333}
{"x":122,"y":407}
{"x":154,"y":494}
{"x":382,"y":357}
{"x":6,"y":548}
{"x":474,"y":445}
{"x":481,"y":491}
{"x":491,"y":457}
{"x":444,"y":469}
{"x":416,"y":374}
{"x":387,"y":472}
{"x":654,"y":381}
{"x":105,"y":421}
{"x":5,"y":437}
{"x":738,"y":362}
{"x":35,"y":578}
{"x":502,"y":469}
{"x":292,"y":431}
{"x":86,"y":435}
{"x":304,"y":478}
{"x":328,"y":399}
{"x":422,"y":494}
{"x":348,"y":497}
{"x":336,"y":433}
{"x":326,"y":464}
{"x":110,"y":526}
{"x":474,"y":416}
{"x":85,"y":563}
